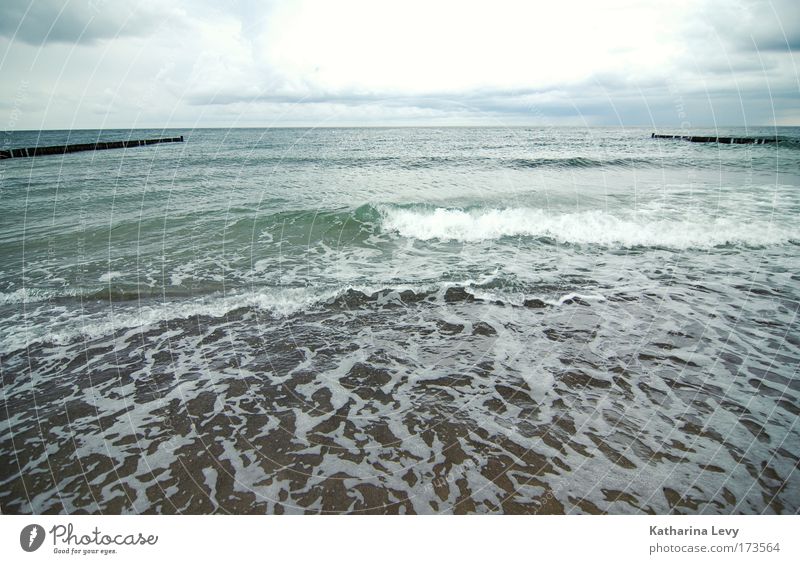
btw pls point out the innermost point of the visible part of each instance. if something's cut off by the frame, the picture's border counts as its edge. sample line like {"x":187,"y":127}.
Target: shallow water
{"x":401,"y":320}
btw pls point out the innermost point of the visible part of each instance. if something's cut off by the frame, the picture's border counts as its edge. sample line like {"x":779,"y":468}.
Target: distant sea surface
{"x":411,"y":320}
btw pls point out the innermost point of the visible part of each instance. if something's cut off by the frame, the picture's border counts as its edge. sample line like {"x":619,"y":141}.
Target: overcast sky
{"x":689,"y":64}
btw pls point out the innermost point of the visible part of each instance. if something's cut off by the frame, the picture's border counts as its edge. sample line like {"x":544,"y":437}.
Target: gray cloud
{"x":776,"y":25}
{"x":754,"y":25}
{"x":601,"y":100}
{"x":788,"y":43}
{"x":60,"y":21}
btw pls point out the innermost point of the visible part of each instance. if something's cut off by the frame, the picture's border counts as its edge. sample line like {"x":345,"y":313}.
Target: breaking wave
{"x":589,"y":227}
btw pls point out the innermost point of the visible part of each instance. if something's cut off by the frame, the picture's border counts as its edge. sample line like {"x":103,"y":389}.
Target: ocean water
{"x":487,"y":320}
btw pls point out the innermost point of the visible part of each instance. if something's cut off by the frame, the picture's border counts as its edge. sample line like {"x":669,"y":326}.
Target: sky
{"x":69,"y":64}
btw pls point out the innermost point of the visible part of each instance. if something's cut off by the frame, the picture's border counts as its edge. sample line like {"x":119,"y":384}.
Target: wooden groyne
{"x":722,"y":140}
{"x":98,"y":146}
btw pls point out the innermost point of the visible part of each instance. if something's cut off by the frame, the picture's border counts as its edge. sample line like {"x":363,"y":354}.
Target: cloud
{"x":753,"y":25}
{"x":358,"y":62}
{"x":62,"y":21}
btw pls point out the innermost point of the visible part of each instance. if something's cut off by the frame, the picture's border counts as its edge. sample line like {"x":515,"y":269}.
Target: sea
{"x":516,"y":320}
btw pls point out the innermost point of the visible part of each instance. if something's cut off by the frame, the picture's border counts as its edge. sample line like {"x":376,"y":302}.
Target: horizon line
{"x":405,"y":126}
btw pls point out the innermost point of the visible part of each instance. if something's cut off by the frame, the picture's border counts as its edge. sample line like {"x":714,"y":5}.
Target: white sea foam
{"x":109,"y":276}
{"x":33,"y":295}
{"x":280,"y":302}
{"x":590,"y":227}
{"x":94,"y":325}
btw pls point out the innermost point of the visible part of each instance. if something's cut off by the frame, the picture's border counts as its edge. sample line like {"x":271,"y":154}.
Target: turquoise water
{"x":400,"y":320}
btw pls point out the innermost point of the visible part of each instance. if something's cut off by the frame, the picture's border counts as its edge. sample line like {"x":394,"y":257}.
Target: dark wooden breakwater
{"x":722,"y":140}
{"x":98,"y":146}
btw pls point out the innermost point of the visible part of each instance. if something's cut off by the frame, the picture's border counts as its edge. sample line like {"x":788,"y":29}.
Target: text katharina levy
{"x":692,"y":531}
